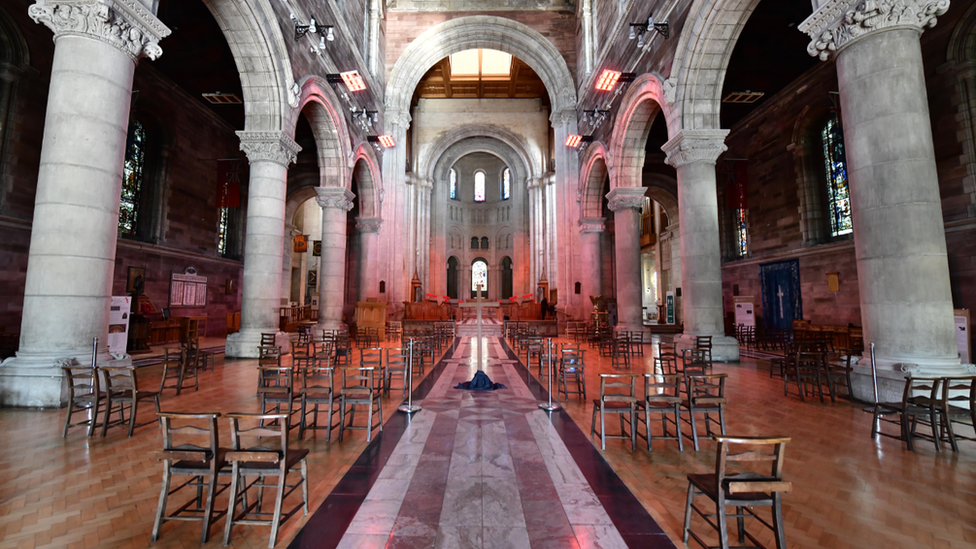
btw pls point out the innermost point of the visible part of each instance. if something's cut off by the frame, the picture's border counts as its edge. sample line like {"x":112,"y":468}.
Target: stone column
{"x":287,"y":259}
{"x":335,"y":202}
{"x":76,"y":208}
{"x":899,"y":235}
{"x":693,"y":154}
{"x":369,"y":228}
{"x":591,"y":259}
{"x":625,"y":203}
{"x":268,"y":155}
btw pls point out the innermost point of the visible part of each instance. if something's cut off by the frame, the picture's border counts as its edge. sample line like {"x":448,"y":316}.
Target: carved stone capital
{"x":838,"y":23}
{"x":398,"y":119}
{"x":368,"y":224}
{"x":124,"y":24}
{"x":626,"y":198}
{"x":691,"y":146}
{"x":334,"y":197}
{"x":269,"y":147}
{"x":592,"y":225}
{"x":562,"y":117}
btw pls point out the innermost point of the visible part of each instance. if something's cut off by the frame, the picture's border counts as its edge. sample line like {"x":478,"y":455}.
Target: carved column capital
{"x":592,"y":225}
{"x":398,"y":120}
{"x":368,"y":224}
{"x":691,"y":146}
{"x":562,"y":117}
{"x":269,"y":147}
{"x":626,"y":198}
{"x":334,"y":197}
{"x":838,"y":23}
{"x":124,"y":24}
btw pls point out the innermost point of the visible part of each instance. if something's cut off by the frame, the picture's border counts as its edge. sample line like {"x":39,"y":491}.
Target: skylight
{"x":476,"y":64}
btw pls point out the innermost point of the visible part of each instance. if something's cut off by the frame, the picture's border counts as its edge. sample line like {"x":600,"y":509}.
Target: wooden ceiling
{"x":522,"y":82}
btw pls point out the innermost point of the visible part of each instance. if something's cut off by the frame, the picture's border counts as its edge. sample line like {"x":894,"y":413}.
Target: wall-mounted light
{"x":384,"y":141}
{"x":351,"y":79}
{"x":574,"y":141}
{"x":595,"y":117}
{"x":325,"y":32}
{"x":608,"y":79}
{"x":639,"y":30}
{"x":364,"y":118}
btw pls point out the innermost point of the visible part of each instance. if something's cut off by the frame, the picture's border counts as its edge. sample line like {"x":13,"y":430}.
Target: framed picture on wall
{"x":136,"y":279}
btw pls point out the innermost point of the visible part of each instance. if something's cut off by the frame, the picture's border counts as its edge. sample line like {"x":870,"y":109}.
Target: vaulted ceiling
{"x":441,"y":83}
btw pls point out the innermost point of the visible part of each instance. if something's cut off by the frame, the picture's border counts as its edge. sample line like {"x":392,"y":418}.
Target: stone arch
{"x":641,"y":104}
{"x":253,"y":33}
{"x":332,"y":141}
{"x":296,"y":198}
{"x":480,"y":31}
{"x":962,"y":43}
{"x":808,"y":165}
{"x":366,"y":173}
{"x":508,"y":154}
{"x":706,"y":41}
{"x":13,"y":48}
{"x":429,"y":163}
{"x":594,"y":174}
{"x":663,"y":189}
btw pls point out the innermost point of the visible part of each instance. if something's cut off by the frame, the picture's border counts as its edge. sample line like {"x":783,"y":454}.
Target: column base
{"x":724,"y":348}
{"x":892,"y":374}
{"x":35,"y":380}
{"x":245,"y":343}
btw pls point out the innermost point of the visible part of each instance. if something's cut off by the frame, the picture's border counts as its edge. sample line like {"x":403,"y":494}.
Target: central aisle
{"x":483,"y":469}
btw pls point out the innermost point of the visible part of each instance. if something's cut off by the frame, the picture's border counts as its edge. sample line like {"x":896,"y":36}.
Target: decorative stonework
{"x":334,"y":197}
{"x":592,"y":225}
{"x":269,"y":147}
{"x":368,"y":224}
{"x":670,"y":87}
{"x":691,"y":146}
{"x":563,"y":117}
{"x":626,"y":198}
{"x":124,"y":24}
{"x":837,"y":23}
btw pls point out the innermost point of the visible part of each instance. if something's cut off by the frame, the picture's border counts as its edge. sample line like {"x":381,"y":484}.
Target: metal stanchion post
{"x":94,"y":351}
{"x":409,"y":408}
{"x":552,"y":405}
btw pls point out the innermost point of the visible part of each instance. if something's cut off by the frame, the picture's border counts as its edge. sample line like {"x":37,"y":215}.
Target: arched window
{"x":838,"y":192}
{"x":132,"y":179}
{"x":479,"y":186}
{"x":474,"y":242}
{"x":506,"y":184}
{"x":484,"y":243}
{"x":479,"y":276}
{"x":453,"y":184}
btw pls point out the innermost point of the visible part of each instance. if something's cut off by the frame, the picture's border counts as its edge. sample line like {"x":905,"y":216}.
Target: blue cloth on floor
{"x":480,"y":382}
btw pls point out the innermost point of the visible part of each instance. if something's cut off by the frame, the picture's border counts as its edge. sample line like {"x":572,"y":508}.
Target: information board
{"x":118,"y":324}
{"x":744,"y":311}
{"x":187,"y":290}
{"x":669,"y":304}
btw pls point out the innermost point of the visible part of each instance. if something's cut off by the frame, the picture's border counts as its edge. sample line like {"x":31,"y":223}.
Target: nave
{"x":849,"y":490}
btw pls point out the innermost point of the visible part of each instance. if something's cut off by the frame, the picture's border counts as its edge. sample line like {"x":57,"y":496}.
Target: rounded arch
{"x":487,"y":32}
{"x":318,"y":103}
{"x":13,"y":48}
{"x":530,"y":158}
{"x":641,"y":104}
{"x":594,"y":174}
{"x":367,"y":173}
{"x":509,"y":155}
{"x":295,"y":199}
{"x":254,"y":36}
{"x":663,"y":189}
{"x":710,"y":32}
{"x":962,"y":43}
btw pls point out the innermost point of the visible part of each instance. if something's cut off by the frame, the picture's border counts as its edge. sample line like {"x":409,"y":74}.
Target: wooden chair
{"x":83,"y":396}
{"x":359,"y":389}
{"x":270,"y":456}
{"x":373,"y":358}
{"x":181,"y":455}
{"x":705,"y":394}
{"x":618,"y":395}
{"x":811,"y":366}
{"x":636,"y":343}
{"x":318,"y":389}
{"x":277,"y":391}
{"x":301,"y":356}
{"x":959,"y":406}
{"x":572,"y":366}
{"x":620,"y":358}
{"x":704,"y":344}
{"x":666,"y":361}
{"x":396,"y":365}
{"x":742,"y":490}
{"x":122,"y":395}
{"x":907,"y":412}
{"x":693,"y":362}
{"x":662,"y":396}
{"x":839,"y":369}
{"x":268,"y":339}
{"x":393,"y":331}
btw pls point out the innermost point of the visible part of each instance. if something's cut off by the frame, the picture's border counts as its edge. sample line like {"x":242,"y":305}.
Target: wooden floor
{"x":849,"y":491}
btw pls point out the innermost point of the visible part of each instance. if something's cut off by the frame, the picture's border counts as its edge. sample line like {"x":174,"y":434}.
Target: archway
{"x":453,"y":272}
{"x":505,"y":269}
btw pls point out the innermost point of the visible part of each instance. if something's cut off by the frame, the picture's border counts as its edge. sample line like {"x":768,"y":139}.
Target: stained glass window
{"x":479,"y":186}
{"x":135,"y":159}
{"x":506,"y":184}
{"x":453,"y":184}
{"x":222,"y":231}
{"x":479,"y":275}
{"x":838,"y":192}
{"x":741,"y":232}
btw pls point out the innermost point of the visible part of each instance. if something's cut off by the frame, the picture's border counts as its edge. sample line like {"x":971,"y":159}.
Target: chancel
{"x":239,"y":235}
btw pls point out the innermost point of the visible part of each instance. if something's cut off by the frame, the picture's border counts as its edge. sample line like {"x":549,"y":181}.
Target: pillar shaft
{"x":625,"y":204}
{"x":591,"y":258}
{"x":693,"y":154}
{"x":269,"y":154}
{"x":369,"y":228}
{"x":68,"y":289}
{"x":899,"y":235}
{"x":335,"y":202}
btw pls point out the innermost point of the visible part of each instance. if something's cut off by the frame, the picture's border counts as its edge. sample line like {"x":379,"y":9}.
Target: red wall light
{"x":608,"y":79}
{"x":573,"y":140}
{"x":353,"y":81}
{"x":387,"y":141}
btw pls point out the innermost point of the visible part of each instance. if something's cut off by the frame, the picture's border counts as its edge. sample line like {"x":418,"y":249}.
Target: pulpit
{"x":371,"y":314}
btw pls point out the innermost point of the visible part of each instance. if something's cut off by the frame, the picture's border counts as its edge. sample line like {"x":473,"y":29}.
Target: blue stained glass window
{"x":479,"y":276}
{"x":506,"y":184}
{"x":132,"y":169}
{"x":741,"y":232}
{"x":453,"y":184}
{"x":479,"y":186}
{"x":838,"y":191}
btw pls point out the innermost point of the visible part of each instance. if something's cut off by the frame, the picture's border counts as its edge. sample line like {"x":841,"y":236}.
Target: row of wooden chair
{"x":101,"y":392}
{"x":936,"y":402}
